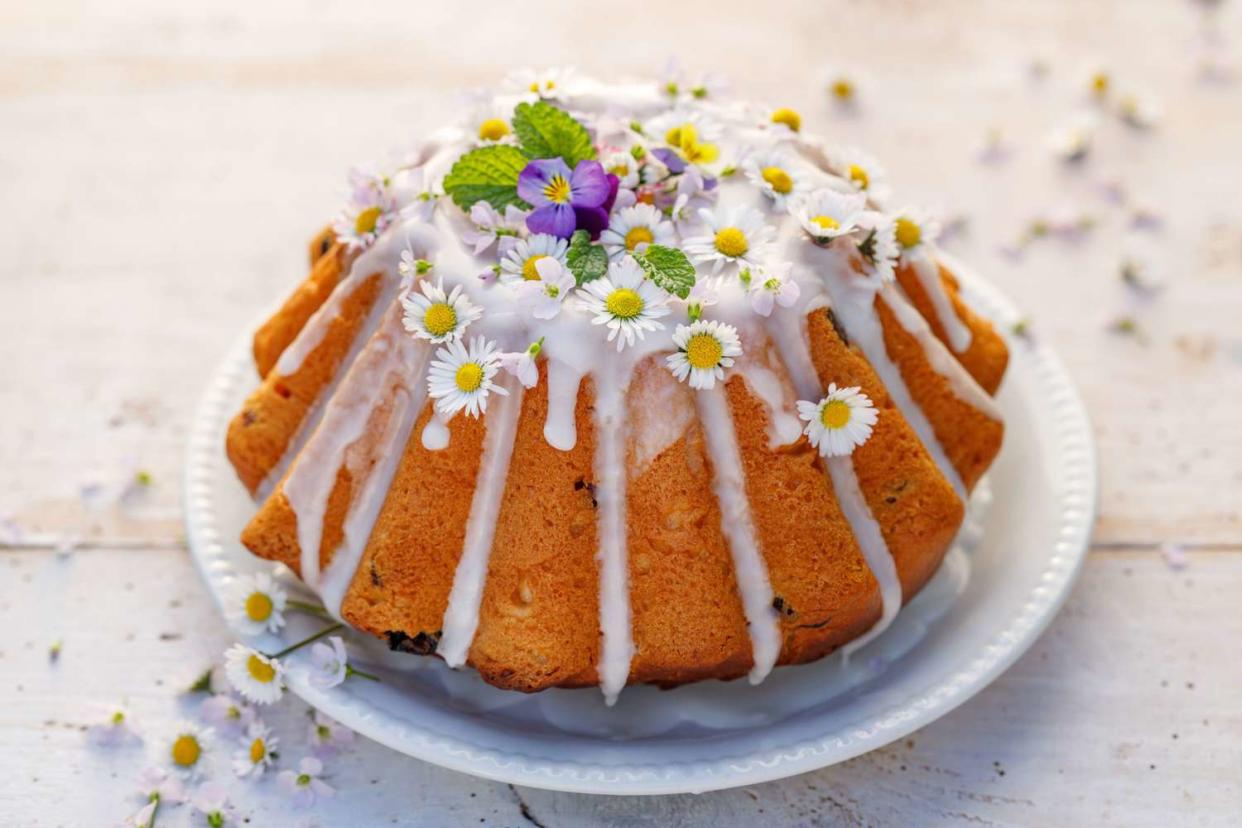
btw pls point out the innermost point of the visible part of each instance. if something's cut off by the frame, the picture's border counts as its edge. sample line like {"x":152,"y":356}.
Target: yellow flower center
{"x":778,"y":180}
{"x":826,"y":222}
{"x":258,"y":606}
{"x":529,"y":273}
{"x":493,"y":129}
{"x":637,"y":236}
{"x":186,"y":750}
{"x":620,"y":170}
{"x":704,"y":351}
{"x":842,"y":89}
{"x":859,"y":176}
{"x":697,"y":153}
{"x":366,"y":221}
{"x":673,"y":136}
{"x":1099,"y":83}
{"x":440,"y":319}
{"x":257,"y":751}
{"x":909,"y":234}
{"x":788,"y":117}
{"x":732,"y":242}
{"x":835,"y":414}
{"x":557,"y":190}
{"x":260,"y":670}
{"x":624,"y":303}
{"x":469,"y":377}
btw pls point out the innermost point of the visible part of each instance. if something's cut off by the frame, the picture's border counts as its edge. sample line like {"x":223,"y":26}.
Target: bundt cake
{"x":614,"y":383}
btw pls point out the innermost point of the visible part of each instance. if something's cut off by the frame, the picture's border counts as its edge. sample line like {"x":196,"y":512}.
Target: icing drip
{"x":389,"y":359}
{"x":614,"y":594}
{"x":956,"y":331}
{"x":853,"y":302}
{"x":785,"y":427}
{"x":792,"y":342}
{"x":435,"y":436}
{"x":461,"y":617}
{"x":964,"y":386}
{"x":560,"y":428}
{"x":728,"y":483}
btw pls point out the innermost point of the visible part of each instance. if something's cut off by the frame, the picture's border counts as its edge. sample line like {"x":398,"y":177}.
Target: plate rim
{"x":1076,"y":510}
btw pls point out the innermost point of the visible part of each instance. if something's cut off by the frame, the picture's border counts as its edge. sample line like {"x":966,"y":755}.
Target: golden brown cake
{"x":607,"y":385}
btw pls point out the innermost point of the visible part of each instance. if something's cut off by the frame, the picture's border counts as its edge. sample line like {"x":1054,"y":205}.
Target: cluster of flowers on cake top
{"x":622,"y":221}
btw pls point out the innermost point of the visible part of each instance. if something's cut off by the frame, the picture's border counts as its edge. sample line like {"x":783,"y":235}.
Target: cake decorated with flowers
{"x":619,"y":383}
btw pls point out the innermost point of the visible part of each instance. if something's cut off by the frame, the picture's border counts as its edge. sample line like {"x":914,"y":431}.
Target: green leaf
{"x":586,"y":261}
{"x":668,"y":267}
{"x":545,"y":131}
{"x":486,"y":174}
{"x":202,"y":684}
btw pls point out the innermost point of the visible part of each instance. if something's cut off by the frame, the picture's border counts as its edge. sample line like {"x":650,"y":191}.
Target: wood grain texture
{"x":161,"y":166}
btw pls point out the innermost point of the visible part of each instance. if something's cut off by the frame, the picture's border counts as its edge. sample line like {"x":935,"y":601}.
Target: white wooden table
{"x":160,"y":167}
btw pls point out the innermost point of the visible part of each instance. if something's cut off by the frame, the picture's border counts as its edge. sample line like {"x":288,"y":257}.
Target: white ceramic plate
{"x":996,"y":593}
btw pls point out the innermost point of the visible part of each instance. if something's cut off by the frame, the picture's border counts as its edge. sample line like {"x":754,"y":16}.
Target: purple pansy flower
{"x":566,"y":201}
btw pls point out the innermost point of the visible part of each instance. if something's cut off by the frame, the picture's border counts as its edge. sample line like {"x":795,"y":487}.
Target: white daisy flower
{"x":635,"y":227}
{"x":304,"y":785}
{"x":786,"y":119}
{"x":736,"y":237}
{"x":212,"y":801}
{"x":328,"y":736}
{"x":1072,"y":141}
{"x":704,"y":350}
{"x":523,"y":364}
{"x":329,"y":662}
{"x":877,"y":244}
{"x":188,"y":745}
{"x":437,"y":316}
{"x":461,"y":377}
{"x":776,"y":173}
{"x":157,"y":787}
{"x":490,"y":225}
{"x":520,"y":257}
{"x":702,"y":295}
{"x":771,"y":285}
{"x":226,"y":714}
{"x":840,"y":422}
{"x":543,"y":296}
{"x":543,"y":83}
{"x":676,"y":83}
{"x":257,"y":677}
{"x":826,"y":214}
{"x":257,"y":751}
{"x":114,"y":732}
{"x":861,"y":173}
{"x":371,"y":208}
{"x":625,"y":301}
{"x":1138,"y":111}
{"x":624,"y":164}
{"x":913,"y":228}
{"x":488,"y":123}
{"x":258,"y":604}
{"x":688,"y":133}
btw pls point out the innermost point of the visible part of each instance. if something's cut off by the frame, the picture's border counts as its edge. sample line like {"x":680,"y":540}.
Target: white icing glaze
{"x":560,"y":429}
{"x":791,"y":340}
{"x":461,"y":616}
{"x":729,"y":485}
{"x":853,"y":302}
{"x":390,"y":360}
{"x":963,"y":385}
{"x":614,"y":596}
{"x":928,"y":272}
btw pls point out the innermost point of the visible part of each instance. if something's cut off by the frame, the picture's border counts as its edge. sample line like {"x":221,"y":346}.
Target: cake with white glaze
{"x":610,"y":384}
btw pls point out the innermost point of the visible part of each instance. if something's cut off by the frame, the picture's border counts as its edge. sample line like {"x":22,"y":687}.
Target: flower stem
{"x":306,"y":606}
{"x":325,"y":631}
{"x":350,"y":670}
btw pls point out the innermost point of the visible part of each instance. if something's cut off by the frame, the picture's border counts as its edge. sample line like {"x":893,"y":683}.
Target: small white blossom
{"x":328,"y":736}
{"x":704,"y":350}
{"x":328,"y":662}
{"x":542,"y":296}
{"x":840,"y":422}
{"x":226,"y":714}
{"x":625,"y":301}
{"x":304,"y":786}
{"x":772,"y":285}
{"x":257,"y":677}
{"x":257,"y":751}
{"x":257,"y":604}
{"x":462,"y":377}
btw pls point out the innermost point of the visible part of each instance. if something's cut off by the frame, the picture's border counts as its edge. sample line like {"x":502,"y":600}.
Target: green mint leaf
{"x":486,"y":174}
{"x":202,"y":684}
{"x":547,"y":132}
{"x":668,"y":267}
{"x":586,"y":261}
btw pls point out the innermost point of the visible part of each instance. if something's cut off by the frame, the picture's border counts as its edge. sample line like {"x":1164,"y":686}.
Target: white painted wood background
{"x":161,"y":165}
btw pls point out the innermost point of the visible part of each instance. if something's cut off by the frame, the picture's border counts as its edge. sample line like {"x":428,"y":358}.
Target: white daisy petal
{"x":521,"y":256}
{"x":462,"y":378}
{"x":777,"y":173}
{"x":257,"y":751}
{"x":827,"y":214}
{"x":738,"y":238}
{"x":437,"y":316}
{"x":625,"y":301}
{"x":258,"y":678}
{"x":257,"y":604}
{"x":632,"y":228}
